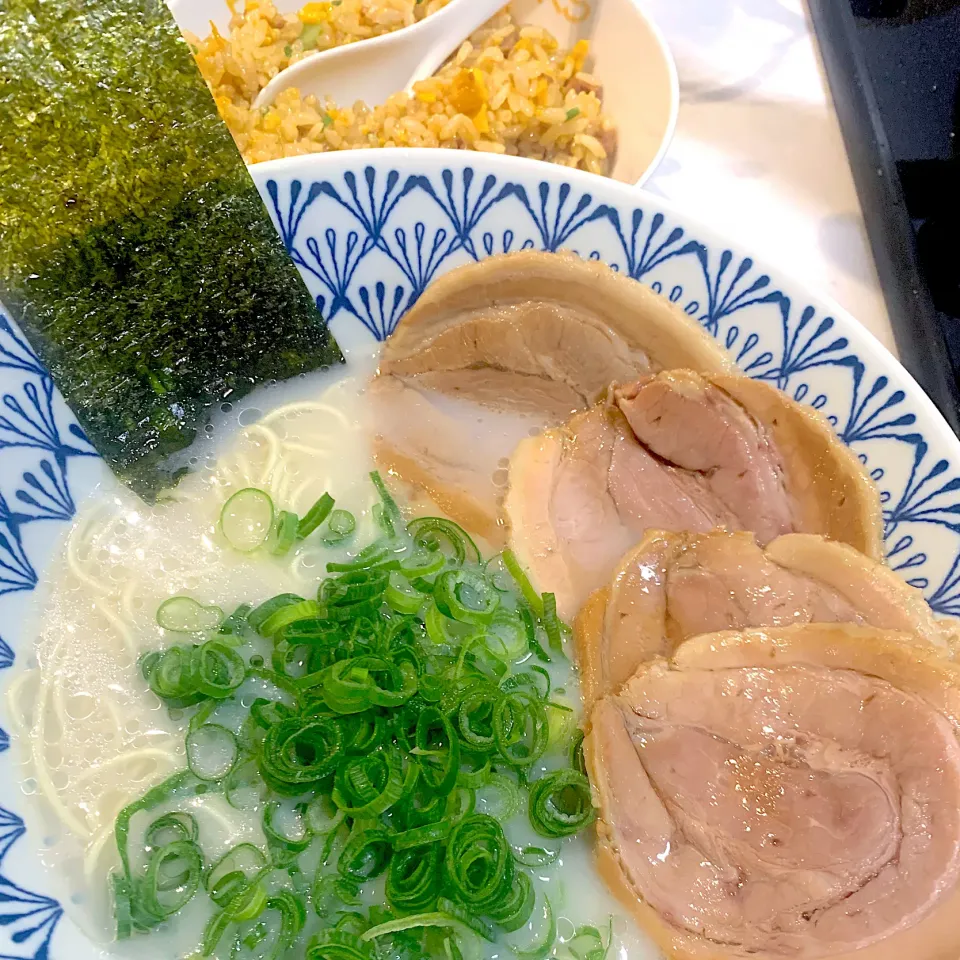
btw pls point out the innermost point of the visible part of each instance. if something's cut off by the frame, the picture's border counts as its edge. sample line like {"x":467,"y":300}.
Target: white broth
{"x":94,"y":738}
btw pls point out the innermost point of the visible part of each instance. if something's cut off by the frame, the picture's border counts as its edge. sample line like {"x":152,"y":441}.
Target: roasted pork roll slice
{"x":785,"y":793}
{"x":680,"y":451}
{"x":497,"y":350}
{"x":674,"y":586}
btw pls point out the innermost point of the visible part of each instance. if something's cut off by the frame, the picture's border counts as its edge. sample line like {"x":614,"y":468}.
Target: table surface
{"x":758,"y":152}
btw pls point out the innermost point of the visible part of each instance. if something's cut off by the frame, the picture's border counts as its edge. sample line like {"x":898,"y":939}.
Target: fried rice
{"x":509,"y":89}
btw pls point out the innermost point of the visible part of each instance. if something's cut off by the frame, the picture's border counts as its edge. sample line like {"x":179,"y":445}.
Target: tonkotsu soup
{"x":239,"y":750}
{"x":295,"y":710}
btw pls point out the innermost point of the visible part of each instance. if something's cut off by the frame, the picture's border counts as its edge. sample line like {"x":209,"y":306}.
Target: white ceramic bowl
{"x":629,"y":56}
{"x":369,"y":231}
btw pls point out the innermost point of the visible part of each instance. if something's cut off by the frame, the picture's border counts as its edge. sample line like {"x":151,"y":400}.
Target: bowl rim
{"x":319,"y":164}
{"x":331,"y":167}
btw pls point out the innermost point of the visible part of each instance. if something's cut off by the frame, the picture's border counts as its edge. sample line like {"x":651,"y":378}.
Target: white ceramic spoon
{"x":371,"y":70}
{"x":628,"y":56}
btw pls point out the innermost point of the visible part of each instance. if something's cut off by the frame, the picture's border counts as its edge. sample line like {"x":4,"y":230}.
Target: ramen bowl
{"x":370,"y":231}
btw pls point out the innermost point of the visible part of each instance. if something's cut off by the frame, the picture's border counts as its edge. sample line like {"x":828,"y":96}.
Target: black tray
{"x":894,"y":72}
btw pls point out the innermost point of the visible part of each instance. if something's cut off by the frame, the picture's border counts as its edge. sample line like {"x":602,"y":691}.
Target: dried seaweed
{"x":135,"y":251}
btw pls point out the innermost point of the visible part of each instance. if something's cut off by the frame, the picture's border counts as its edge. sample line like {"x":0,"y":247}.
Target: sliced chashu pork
{"x":498,"y":350}
{"x":674,"y":586}
{"x":785,"y":793}
{"x":680,"y":451}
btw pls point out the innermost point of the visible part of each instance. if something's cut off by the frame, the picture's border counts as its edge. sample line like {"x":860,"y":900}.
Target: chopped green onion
{"x":219,"y":670}
{"x":262,"y":614}
{"x":170,"y":828}
{"x":323,"y":816}
{"x":414,"y":878}
{"x":350,"y":686}
{"x":315,"y":516}
{"x":508,"y":636}
{"x":587,"y":943}
{"x":438,"y":750}
{"x":285,"y":826}
{"x":367,"y":851}
{"x":466,"y":597}
{"x":441,"y":629}
{"x":211,"y":751}
{"x":338,"y":945}
{"x":408,"y":923}
{"x":368,"y":786}
{"x":576,"y":753}
{"x":300,"y":752}
{"x":375,"y":555}
{"x":573,"y":112}
{"x":390,"y":516}
{"x":244,"y":859}
{"x":173,"y":877}
{"x":536,"y":856}
{"x":514,"y":910}
{"x":330,"y":888}
{"x":401,"y":595}
{"x":246,"y":519}
{"x":236,"y":622}
{"x":397,"y":724}
{"x":286,"y":533}
{"x":560,"y":721}
{"x":501,"y":797}
{"x":471,"y":921}
{"x":422,"y":563}
{"x":183,"y":676}
{"x":244,"y":787}
{"x":541,"y":950}
{"x":436,"y":532}
{"x":340,"y":525}
{"x":520,"y":728}
{"x":560,"y":804}
{"x":293,"y":916}
{"x":551,"y":623}
{"x":289,"y":614}
{"x":479,"y":865}
{"x":309,"y":35}
{"x":523,"y":582}
{"x":186,"y":615}
{"x":430,"y":833}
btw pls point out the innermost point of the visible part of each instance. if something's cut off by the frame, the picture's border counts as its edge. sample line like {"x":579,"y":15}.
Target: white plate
{"x":369,"y":231}
{"x":628,"y":55}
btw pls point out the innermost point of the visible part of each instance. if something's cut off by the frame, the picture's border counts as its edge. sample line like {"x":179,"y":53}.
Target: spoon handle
{"x":445,"y":30}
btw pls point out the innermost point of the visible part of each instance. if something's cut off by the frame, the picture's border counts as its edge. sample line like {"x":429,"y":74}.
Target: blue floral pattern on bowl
{"x":370,"y":231}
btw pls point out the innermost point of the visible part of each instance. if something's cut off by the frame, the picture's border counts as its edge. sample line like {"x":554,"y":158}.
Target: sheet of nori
{"x":135,"y":251}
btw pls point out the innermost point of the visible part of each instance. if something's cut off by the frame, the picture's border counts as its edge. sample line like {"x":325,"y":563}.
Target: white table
{"x":758,"y":152}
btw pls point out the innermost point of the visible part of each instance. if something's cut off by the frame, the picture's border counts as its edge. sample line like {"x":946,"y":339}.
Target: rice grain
{"x":507,"y":90}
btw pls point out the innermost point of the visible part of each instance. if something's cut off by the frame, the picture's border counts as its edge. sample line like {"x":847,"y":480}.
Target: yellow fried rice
{"x":509,"y":89}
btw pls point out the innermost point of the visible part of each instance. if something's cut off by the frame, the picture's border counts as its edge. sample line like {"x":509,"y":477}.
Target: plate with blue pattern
{"x":369,"y":231}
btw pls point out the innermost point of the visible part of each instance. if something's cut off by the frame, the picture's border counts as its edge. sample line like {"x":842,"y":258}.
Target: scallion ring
{"x":186,"y":615}
{"x":285,"y":826}
{"x":246,"y":519}
{"x":211,"y":751}
{"x":465,"y":596}
{"x":285,"y":533}
{"x":560,"y":804}
{"x":341,"y":524}
{"x":435,"y":533}
{"x":173,"y":877}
